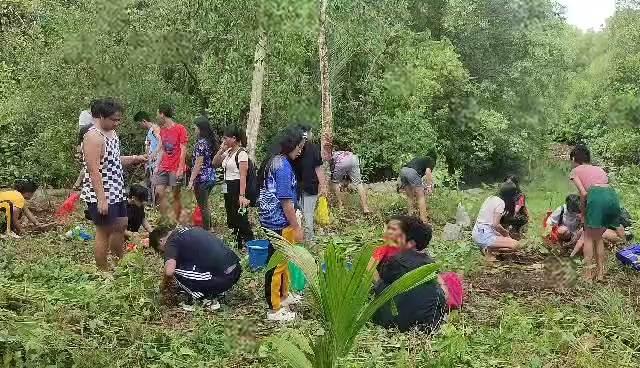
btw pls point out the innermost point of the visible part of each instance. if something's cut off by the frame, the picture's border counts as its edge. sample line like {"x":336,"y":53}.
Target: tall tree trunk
{"x":327,"y":110}
{"x":255,"y":108}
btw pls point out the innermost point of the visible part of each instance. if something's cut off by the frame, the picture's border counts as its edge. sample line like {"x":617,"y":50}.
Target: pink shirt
{"x":589,"y":175}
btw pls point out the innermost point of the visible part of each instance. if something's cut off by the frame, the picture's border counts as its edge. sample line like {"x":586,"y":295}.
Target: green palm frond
{"x":342,"y":298}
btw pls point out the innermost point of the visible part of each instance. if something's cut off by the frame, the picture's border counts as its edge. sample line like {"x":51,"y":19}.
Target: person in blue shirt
{"x":203,"y":174}
{"x":276,"y":209}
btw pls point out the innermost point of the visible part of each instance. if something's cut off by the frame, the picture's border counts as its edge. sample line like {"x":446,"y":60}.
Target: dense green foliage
{"x":481,"y":81}
{"x":603,"y":107}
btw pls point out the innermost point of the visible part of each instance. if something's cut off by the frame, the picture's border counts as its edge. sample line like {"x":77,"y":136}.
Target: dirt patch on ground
{"x":525,"y":274}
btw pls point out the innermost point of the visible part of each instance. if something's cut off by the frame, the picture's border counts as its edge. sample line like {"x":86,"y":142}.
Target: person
{"x":416,"y":179}
{"x":235,"y":164}
{"x":200,"y":263}
{"x":151,"y":148}
{"x":172,"y":164}
{"x":566,"y":222}
{"x":516,"y":218}
{"x":346,"y":164}
{"x":15,"y":204}
{"x":487,"y":232}
{"x":203,"y":173}
{"x":276,"y":210}
{"x":136,"y":217}
{"x":601,"y":209}
{"x":85,"y":122}
{"x":103,"y":184}
{"x":427,"y":305}
{"x":311,"y":178}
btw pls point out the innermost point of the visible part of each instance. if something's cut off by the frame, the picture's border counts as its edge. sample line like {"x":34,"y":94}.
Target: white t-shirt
{"x":231,"y":170}
{"x":491,"y":207}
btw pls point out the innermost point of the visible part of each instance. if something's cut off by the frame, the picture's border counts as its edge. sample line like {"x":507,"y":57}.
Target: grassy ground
{"x":528,"y":311}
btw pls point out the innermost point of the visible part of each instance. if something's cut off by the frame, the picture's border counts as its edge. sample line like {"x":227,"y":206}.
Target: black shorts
{"x":116,"y":211}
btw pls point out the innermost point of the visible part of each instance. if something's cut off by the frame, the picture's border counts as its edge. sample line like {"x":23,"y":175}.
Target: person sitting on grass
{"x":487,"y":232}
{"x":14,"y":203}
{"x":424,"y":306}
{"x":138,"y":195}
{"x":200,"y":263}
{"x":516,"y":218}
{"x":601,"y":209}
{"x":566,"y":222}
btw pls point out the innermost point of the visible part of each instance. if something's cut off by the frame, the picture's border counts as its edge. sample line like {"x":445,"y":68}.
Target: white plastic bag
{"x":462,"y":217}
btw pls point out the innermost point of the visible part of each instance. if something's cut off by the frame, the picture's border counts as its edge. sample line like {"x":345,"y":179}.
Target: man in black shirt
{"x":135,"y":210}
{"x":201,"y":264}
{"x":311,"y":180}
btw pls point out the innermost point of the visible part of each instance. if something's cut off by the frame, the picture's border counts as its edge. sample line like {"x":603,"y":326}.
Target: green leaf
{"x":289,"y":353}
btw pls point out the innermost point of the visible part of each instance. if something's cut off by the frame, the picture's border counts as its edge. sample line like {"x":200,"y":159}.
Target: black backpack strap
{"x":237,"y":154}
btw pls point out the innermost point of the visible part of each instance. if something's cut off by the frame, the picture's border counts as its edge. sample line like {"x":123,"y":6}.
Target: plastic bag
{"x":298,"y":281}
{"x":462,"y":217}
{"x":196,"y":218}
{"x":68,"y":206}
{"x":322,"y":212}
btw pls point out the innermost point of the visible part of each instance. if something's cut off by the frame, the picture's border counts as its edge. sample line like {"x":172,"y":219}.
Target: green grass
{"x":57,"y":311}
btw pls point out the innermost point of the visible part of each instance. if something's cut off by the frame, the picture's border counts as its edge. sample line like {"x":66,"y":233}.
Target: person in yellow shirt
{"x":14,"y":204}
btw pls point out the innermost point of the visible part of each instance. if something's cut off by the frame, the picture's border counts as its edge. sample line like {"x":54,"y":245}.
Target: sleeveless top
{"x":111,"y":171}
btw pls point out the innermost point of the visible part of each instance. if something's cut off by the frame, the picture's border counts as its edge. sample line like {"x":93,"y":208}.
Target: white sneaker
{"x":212,"y":305}
{"x":282,"y":315}
{"x":187,"y":307}
{"x":292,"y":299}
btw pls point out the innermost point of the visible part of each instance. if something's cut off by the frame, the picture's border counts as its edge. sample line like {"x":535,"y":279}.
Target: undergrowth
{"x":56,"y":310}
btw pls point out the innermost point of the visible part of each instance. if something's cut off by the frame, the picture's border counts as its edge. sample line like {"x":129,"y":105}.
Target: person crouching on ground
{"x":516,"y":218}
{"x":565,"y":222}
{"x":424,"y":306}
{"x":201,"y":264}
{"x":488,"y":233}
{"x":103,"y":183}
{"x":15,"y":204}
{"x":138,"y":195}
{"x":277,"y":212}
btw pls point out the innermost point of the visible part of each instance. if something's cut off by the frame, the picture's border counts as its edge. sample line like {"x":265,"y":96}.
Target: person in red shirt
{"x":171,"y":155}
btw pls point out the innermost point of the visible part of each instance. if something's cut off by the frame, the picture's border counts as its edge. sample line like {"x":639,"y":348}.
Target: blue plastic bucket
{"x":258,"y":253}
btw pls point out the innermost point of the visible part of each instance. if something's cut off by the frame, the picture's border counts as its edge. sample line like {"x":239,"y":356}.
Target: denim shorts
{"x":409,"y":178}
{"x":484,"y":235}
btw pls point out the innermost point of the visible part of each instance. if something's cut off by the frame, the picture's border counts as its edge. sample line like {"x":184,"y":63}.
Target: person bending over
{"x":138,"y":195}
{"x":14,"y":204}
{"x":416,"y":179}
{"x":488,"y":233}
{"x":426,"y":306}
{"x":200,"y":263}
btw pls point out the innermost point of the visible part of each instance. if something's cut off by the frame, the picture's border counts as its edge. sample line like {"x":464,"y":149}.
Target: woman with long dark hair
{"x":516,"y":215}
{"x":277,"y":200}
{"x":203,"y":174}
{"x":235,"y":163}
{"x":488,"y":233}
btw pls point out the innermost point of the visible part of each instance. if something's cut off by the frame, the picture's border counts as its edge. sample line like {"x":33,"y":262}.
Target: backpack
{"x":251,"y":191}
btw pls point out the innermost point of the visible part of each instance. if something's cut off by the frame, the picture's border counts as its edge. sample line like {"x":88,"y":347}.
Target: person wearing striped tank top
{"x":103,"y":184}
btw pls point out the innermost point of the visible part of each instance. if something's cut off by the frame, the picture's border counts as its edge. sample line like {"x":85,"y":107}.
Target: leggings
{"x":8,"y":223}
{"x":236,"y":222}
{"x":202,"y":191}
{"x":276,"y":280}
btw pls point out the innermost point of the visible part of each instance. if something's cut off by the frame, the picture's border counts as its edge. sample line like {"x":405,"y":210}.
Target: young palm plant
{"x":342,"y":298}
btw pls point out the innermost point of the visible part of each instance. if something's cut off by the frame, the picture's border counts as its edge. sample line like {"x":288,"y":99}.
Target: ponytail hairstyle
{"x":202,"y":122}
{"x":285,"y":143}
